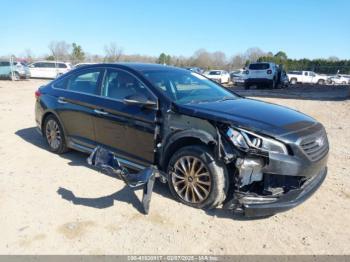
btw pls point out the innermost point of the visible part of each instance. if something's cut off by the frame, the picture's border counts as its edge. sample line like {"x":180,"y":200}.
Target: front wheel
{"x":196,"y":178}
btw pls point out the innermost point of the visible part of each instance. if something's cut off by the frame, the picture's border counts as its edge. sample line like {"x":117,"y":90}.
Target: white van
{"x":48,"y":69}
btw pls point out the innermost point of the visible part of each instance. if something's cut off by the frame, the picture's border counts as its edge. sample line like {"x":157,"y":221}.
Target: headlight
{"x":245,"y":139}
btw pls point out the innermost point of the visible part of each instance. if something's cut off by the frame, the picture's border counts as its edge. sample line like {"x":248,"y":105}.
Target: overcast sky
{"x":301,"y":28}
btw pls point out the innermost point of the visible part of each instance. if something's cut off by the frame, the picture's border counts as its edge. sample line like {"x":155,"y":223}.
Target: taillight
{"x":37,"y":94}
{"x":269,"y":72}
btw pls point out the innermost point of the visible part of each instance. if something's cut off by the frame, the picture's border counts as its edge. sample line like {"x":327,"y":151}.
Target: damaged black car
{"x":213,"y":147}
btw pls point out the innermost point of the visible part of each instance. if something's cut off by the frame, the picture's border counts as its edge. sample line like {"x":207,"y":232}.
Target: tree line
{"x":74,"y":53}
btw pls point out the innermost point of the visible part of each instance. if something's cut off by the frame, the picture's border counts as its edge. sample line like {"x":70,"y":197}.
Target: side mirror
{"x":140,"y":100}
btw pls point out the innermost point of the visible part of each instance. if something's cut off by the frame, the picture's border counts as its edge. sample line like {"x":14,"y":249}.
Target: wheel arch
{"x":46,"y":115}
{"x":185,"y":138}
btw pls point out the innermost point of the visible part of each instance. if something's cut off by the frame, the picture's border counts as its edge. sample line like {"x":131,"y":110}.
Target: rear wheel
{"x":321,"y":82}
{"x":54,"y":135}
{"x":293,"y":81}
{"x":196,"y":179}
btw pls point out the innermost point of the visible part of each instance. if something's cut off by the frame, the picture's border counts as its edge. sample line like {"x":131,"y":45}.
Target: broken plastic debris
{"x":107,"y":161}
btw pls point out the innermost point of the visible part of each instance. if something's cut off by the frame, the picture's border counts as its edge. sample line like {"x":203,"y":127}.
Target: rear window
{"x":259,"y":66}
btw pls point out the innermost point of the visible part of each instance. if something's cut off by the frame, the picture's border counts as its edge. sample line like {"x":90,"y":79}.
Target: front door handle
{"x":100,"y":112}
{"x":61,"y":100}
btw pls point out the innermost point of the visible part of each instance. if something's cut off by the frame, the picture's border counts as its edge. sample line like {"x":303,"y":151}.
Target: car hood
{"x":262,"y":117}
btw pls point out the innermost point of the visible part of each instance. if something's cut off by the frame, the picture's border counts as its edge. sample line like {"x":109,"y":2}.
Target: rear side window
{"x":259,"y":66}
{"x":49,"y":65}
{"x":85,"y":82}
{"x":61,"y":84}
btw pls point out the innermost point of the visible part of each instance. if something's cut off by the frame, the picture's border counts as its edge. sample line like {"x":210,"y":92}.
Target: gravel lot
{"x":103,"y":216}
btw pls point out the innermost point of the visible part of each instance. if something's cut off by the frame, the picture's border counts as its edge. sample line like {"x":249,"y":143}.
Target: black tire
{"x":61,"y":147}
{"x":215,"y":173}
{"x":293,"y":81}
{"x":321,"y":82}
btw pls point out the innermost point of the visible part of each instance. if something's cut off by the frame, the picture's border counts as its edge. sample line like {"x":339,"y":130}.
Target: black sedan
{"x":215,"y":147}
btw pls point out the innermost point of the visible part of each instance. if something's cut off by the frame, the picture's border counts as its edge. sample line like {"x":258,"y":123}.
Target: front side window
{"x":85,"y":82}
{"x":119,"y":84}
{"x":61,"y":65}
{"x":187,"y":87}
{"x":38,"y":65}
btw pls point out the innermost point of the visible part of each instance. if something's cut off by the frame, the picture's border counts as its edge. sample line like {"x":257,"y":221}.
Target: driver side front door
{"x":127,"y":129}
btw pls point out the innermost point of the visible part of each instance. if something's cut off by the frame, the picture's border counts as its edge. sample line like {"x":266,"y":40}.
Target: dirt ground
{"x":54,"y":204}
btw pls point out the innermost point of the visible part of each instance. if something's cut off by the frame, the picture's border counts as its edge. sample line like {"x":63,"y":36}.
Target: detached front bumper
{"x":265,"y":206}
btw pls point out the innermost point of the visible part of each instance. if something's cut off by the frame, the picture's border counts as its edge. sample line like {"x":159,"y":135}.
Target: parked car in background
{"x":48,"y":69}
{"x":306,"y":77}
{"x":220,"y":76}
{"x":238,"y":77}
{"x":195,"y":69}
{"x":14,"y":71}
{"x":262,"y":74}
{"x":212,"y":145}
{"x":338,"y":80}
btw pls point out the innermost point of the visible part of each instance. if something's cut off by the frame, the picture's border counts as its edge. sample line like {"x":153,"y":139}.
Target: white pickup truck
{"x":306,"y":77}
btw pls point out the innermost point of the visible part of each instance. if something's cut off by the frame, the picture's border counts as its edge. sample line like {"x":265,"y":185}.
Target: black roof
{"x":138,"y":66}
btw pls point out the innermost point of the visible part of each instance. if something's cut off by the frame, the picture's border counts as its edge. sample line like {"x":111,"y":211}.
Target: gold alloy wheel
{"x":53,"y":134}
{"x":191,"y":179}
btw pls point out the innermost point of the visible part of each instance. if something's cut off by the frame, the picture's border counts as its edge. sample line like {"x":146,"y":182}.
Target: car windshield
{"x":187,"y":87}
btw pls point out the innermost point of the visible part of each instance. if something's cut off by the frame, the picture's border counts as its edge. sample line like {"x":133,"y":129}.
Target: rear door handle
{"x":61,"y":100}
{"x":100,"y":112}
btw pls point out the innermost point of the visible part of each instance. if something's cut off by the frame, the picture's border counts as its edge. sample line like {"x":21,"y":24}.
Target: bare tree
{"x":28,"y":55}
{"x":238,"y":61}
{"x":218,"y":59}
{"x":254,"y":53}
{"x":113,"y":53}
{"x":59,"y":50}
{"x":202,"y":58}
